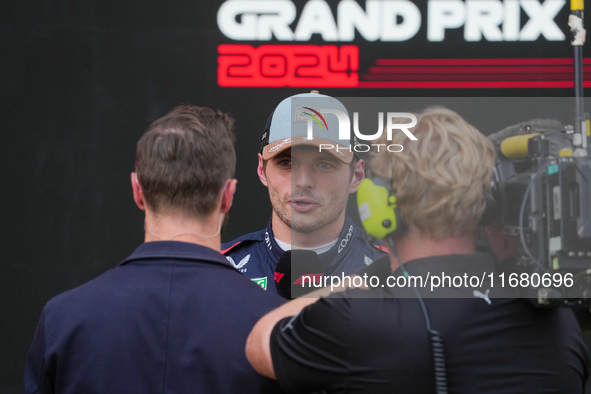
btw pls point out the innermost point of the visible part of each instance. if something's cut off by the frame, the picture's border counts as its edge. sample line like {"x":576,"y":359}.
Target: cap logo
{"x":315,"y":118}
{"x":309,"y":115}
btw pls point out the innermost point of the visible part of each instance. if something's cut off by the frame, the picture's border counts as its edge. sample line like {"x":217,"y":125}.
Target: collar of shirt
{"x":274,"y":250}
{"x":334,"y":255}
{"x":318,"y":249}
{"x":175,"y":250}
{"x":340,"y":250}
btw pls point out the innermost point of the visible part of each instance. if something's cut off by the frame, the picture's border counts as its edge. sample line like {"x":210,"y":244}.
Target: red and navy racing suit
{"x":256,"y":254}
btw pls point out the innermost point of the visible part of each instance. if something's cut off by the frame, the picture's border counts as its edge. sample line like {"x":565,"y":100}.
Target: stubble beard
{"x":309,"y":222}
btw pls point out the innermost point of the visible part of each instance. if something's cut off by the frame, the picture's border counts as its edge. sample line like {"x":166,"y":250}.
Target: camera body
{"x":542,"y":212}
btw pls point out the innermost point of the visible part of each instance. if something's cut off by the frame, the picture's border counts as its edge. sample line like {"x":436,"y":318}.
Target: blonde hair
{"x":442,"y":180}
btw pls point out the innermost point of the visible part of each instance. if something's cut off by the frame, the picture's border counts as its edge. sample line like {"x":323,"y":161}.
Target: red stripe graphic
{"x":473,"y":73}
{"x":469,"y":77}
{"x":231,"y":247}
{"x":468,"y":85}
{"x":477,"y":70}
{"x":336,"y":66}
{"x":479,"y":62}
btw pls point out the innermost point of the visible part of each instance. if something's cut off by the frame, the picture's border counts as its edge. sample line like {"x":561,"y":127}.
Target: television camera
{"x":541,"y":219}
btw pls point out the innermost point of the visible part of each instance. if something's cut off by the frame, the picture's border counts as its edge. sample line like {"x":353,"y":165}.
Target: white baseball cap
{"x":288,"y":126}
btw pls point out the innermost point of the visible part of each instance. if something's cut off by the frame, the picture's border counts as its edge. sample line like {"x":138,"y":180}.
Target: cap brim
{"x":339,"y":151}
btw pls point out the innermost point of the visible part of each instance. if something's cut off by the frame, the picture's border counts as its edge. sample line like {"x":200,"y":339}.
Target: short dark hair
{"x":184,"y":158}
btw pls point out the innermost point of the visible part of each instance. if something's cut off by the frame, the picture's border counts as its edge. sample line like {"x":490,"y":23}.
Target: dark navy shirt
{"x":171,"y":318}
{"x":256,"y":254}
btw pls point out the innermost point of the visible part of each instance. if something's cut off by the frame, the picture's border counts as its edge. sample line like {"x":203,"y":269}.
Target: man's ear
{"x":358,"y":176}
{"x":261,"y":171}
{"x":138,"y":194}
{"x":228,"y":195}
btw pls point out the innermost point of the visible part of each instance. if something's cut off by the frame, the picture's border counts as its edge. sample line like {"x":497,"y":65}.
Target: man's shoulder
{"x":80,"y":297}
{"x":132,"y":282}
{"x":244,"y":241}
{"x":254,"y":255}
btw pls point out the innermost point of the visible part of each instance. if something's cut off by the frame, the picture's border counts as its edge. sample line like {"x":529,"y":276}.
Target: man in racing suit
{"x":309,"y":182}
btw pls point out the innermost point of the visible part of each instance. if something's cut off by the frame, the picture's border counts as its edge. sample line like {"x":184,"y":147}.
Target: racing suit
{"x":256,"y":254}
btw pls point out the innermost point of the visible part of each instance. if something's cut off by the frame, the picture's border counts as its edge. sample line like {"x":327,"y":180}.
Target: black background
{"x":80,"y":81}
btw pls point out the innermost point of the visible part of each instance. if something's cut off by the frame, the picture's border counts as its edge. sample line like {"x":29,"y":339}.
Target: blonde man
{"x":391,"y":342}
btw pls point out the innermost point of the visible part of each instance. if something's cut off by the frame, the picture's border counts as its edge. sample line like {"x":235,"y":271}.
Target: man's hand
{"x":258,"y":350}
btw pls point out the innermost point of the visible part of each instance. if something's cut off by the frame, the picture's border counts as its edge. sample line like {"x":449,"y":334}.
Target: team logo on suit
{"x":261,"y":282}
{"x":241,"y":264}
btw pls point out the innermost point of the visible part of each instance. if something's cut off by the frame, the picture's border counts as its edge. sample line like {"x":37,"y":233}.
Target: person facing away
{"x":171,"y":317}
{"x":308,"y":189}
{"x":398,"y":339}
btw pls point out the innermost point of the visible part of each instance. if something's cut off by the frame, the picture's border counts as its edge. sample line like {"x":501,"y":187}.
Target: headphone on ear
{"x":378,"y":210}
{"x":380,"y":215}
